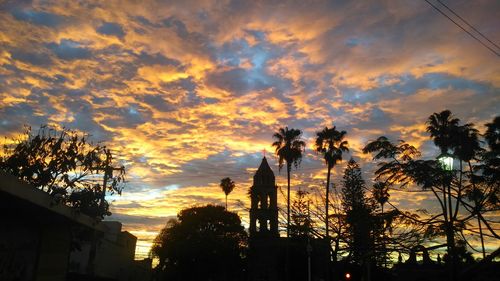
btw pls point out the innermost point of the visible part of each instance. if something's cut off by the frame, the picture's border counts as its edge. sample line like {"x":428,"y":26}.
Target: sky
{"x":189,"y":92}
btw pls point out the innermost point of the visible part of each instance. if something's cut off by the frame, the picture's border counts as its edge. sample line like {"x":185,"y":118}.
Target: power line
{"x":461,"y":27}
{"x":449,"y":9}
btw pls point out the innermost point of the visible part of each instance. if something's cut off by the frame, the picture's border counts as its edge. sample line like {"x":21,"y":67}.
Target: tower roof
{"x":263,"y":177}
{"x":264,"y":168}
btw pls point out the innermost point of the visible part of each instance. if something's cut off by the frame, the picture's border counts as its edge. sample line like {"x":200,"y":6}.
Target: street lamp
{"x":446,"y":161}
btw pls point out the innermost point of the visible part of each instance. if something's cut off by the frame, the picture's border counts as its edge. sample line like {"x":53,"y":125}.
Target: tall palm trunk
{"x":327,"y":235}
{"x":383,"y":238}
{"x":448,"y":230}
{"x":287,"y":270}
{"x":327,"y":203}
{"x":288,"y":170}
{"x":226,"y":202}
{"x":450,"y":237}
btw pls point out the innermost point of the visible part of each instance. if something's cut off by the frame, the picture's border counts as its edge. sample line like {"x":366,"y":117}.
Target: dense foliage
{"x":203,"y":243}
{"x":358,"y":209}
{"x":464,"y":191}
{"x":67,"y":166}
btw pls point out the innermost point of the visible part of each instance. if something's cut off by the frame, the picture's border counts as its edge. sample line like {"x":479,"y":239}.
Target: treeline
{"x":464,"y":181}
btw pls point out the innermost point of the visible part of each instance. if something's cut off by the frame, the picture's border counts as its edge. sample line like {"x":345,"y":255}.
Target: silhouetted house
{"x":267,"y":256}
{"x":114,"y":257}
{"x":39,"y":238}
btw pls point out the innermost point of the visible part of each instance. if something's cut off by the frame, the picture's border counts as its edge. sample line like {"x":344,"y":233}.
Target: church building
{"x":267,"y":257}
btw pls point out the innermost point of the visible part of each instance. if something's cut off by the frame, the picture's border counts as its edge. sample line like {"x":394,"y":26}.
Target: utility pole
{"x":108,"y":173}
{"x":309,"y":247}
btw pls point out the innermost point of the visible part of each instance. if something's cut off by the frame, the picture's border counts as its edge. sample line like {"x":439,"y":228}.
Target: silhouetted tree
{"x":331,"y":144}
{"x":484,"y":185}
{"x":66,"y":165}
{"x":462,"y":142}
{"x":358,"y":212}
{"x":337,"y":224}
{"x":403,"y":231}
{"x":302,"y":225}
{"x":442,"y":127}
{"x":380,"y":193}
{"x":227,"y":186}
{"x":453,"y":189}
{"x":463,"y":256}
{"x":203,"y":243}
{"x":490,"y":168}
{"x":289,"y":149}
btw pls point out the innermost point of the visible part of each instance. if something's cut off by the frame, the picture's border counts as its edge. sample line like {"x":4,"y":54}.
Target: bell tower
{"x":264,"y":203}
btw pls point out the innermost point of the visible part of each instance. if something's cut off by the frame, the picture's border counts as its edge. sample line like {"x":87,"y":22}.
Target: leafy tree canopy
{"x":66,"y":165}
{"x":203,"y":243}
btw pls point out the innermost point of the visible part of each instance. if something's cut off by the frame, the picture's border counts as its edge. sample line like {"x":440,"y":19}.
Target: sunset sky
{"x":189,"y":92}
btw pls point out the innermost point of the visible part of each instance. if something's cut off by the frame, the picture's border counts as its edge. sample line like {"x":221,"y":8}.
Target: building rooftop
{"x":19,"y":199}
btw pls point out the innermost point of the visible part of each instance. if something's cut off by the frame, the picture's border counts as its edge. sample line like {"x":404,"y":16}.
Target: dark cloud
{"x":142,"y":220}
{"x":69,"y":50}
{"x":185,"y":92}
{"x":38,"y":17}
{"x":145,"y":21}
{"x":409,"y":85}
{"x":177,"y":25}
{"x":14,"y":117}
{"x":40,"y":59}
{"x":159,"y":59}
{"x":158,"y":102}
{"x":217,"y":166}
{"x":112,"y":29}
{"x":375,"y":118}
{"x":82,"y":113}
{"x":128,"y":117}
{"x":238,"y":81}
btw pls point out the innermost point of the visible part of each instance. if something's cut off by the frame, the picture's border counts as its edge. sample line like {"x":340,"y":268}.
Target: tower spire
{"x":264,"y":210}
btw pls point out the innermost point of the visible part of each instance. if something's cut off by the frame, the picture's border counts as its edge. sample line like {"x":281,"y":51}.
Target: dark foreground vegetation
{"x":354,"y":231}
{"x":345,"y":231}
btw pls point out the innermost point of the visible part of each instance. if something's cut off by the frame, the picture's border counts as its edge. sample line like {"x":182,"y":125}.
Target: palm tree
{"x":443,"y":128}
{"x":491,"y":167}
{"x":289,"y":149}
{"x":467,"y":149}
{"x":330,"y":142}
{"x":227,"y":186}
{"x":492,"y":134}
